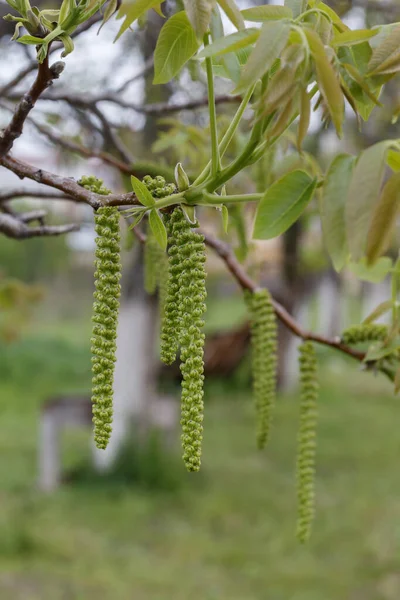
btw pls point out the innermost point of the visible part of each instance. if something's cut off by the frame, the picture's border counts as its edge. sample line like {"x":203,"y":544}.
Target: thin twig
{"x":44,"y":79}
{"x":18,"y":229}
{"x":156,"y":109}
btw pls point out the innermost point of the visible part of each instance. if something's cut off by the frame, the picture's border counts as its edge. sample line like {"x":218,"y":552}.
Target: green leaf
{"x":386,"y":49}
{"x":199,"y":14}
{"x":363,"y":194}
{"x":268,"y":12}
{"x":296,"y":6}
{"x":176,"y":43}
{"x":382,"y":349}
{"x":304,"y":121}
{"x":330,"y":12}
{"x":230,"y":62}
{"x":282,"y":204}
{"x":30,"y":39}
{"x":68,"y":45}
{"x":158,"y":228}
{"x":383,"y":219}
{"x":332,"y":208}
{"x":379,"y":311}
{"x":232,"y":12}
{"x":273,"y":38}
{"x":108,"y":13}
{"x":375,"y":273}
{"x":230,"y":43}
{"x":132,"y":11}
{"x":142,"y":193}
{"x":225,"y":218}
{"x":350,"y":38}
{"x":327,"y":79}
{"x":393,"y":160}
{"x":238,"y":220}
{"x":137,"y":218}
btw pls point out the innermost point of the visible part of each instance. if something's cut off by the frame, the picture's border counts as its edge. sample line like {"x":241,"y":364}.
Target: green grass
{"x":226,"y":533}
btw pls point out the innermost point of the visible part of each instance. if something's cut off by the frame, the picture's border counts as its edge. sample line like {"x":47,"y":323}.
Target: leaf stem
{"x":215,"y":157}
{"x":230,"y":132}
{"x":215,"y":199}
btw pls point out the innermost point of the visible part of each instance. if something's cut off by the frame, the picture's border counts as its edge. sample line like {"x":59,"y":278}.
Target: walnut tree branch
{"x":224,"y":251}
{"x":44,"y":78}
{"x":18,"y":229}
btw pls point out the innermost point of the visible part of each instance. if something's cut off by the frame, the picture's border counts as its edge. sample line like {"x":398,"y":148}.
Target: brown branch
{"x":67,"y":185}
{"x":39,"y":194}
{"x":63,"y":184}
{"x":224,"y":251}
{"x":16,"y":228}
{"x":156,"y":109}
{"x":44,"y":78}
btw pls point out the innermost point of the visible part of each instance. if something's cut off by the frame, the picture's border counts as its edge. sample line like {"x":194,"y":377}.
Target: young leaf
{"x":327,"y":80}
{"x":272,"y":40}
{"x":304,"y":121}
{"x":30,"y":39}
{"x":332,"y":208}
{"x":232,"y":12}
{"x":132,"y":11}
{"x":176,"y":43}
{"x":393,"y":160}
{"x":199,"y":13}
{"x":158,"y":228}
{"x":379,"y":311}
{"x":282,"y":204}
{"x":385,"y":49}
{"x":373,"y":274}
{"x":108,"y":13}
{"x":350,"y":38}
{"x":230,"y":43}
{"x":230,"y":62}
{"x":296,"y":6}
{"x":383,"y":219}
{"x":142,"y":193}
{"x":268,"y":12}
{"x":362,"y":196}
{"x":225,"y":217}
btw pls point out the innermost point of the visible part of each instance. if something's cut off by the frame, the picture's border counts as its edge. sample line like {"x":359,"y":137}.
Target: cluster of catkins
{"x":105,"y":318}
{"x":94,"y":184}
{"x":366,"y":332}
{"x":181,"y":284}
{"x":182,"y":327}
{"x":158,"y":187}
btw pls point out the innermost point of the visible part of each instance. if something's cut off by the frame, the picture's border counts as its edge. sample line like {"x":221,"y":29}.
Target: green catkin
{"x":171,"y":321}
{"x":105,"y":317}
{"x":192,"y":296}
{"x":264,"y":360}
{"x":306,"y":440}
{"x":367,"y":332}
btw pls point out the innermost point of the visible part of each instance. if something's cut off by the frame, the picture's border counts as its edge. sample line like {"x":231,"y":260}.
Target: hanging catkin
{"x":171,"y":318}
{"x":192,"y":295}
{"x":306,"y":440}
{"x":264,"y":359}
{"x":367,"y":332}
{"x":105,"y":317}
